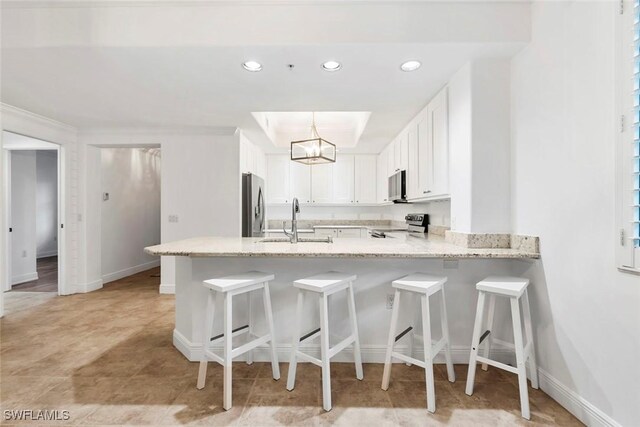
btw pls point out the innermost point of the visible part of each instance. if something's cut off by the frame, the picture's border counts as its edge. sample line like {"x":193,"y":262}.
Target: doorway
{"x":32,"y":209}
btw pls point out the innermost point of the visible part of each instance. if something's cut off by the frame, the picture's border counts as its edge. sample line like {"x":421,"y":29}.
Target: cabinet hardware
{"x":426,"y":191}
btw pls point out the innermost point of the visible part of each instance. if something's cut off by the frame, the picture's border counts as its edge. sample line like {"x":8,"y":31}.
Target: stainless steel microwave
{"x":398,"y":187}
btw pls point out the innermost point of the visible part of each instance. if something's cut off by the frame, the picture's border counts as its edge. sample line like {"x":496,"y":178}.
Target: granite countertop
{"x":405,"y":247}
{"x":279,"y":230}
{"x":367,"y":227}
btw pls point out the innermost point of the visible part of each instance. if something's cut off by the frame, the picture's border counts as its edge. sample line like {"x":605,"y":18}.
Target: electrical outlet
{"x":390,"y":298}
{"x":173,"y":218}
{"x":451,"y":264}
{"x":105,"y":197}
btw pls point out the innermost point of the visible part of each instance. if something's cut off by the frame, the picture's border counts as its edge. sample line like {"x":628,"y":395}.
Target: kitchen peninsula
{"x":375,"y":261}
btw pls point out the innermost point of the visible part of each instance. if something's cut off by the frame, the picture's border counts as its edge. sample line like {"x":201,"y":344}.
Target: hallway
{"x":47,"y":277}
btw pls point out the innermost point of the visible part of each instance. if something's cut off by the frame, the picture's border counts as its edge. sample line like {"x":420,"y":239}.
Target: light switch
{"x":105,"y":197}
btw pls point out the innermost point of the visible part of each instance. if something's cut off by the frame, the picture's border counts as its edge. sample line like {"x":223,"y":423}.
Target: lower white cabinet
{"x":337,"y":233}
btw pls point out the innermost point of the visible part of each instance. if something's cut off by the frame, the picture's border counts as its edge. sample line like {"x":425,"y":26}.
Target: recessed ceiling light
{"x":410,"y":65}
{"x":331,"y":66}
{"x":252,"y":66}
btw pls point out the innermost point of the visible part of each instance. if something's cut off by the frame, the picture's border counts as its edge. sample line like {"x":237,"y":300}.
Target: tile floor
{"x":107,"y":358}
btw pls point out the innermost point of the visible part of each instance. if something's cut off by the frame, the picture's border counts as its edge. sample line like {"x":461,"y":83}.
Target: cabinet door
{"x":349,"y":232}
{"x":324,"y":232}
{"x":391,"y":159}
{"x":439,"y":122}
{"x":300,"y":182}
{"x":413,"y":185}
{"x":322,"y":183}
{"x":425,"y":157}
{"x":383,"y":180}
{"x":365,"y":178}
{"x":278,"y":178}
{"x":344,"y":179}
{"x":402,"y":152}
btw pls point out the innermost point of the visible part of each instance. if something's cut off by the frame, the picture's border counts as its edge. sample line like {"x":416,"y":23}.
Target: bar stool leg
{"x":445,"y":334}
{"x":207,"y":331}
{"x":529,"y":334}
{"x":475,"y":343}
{"x":411,"y":333}
{"x":428,"y":357}
{"x":293,"y":362}
{"x":386,"y":375}
{"x":275,"y":367}
{"x":324,"y":349}
{"x":228,"y":336}
{"x":354,"y":330}
{"x":489,"y":339}
{"x":249,"y":335}
{"x":520,"y":361}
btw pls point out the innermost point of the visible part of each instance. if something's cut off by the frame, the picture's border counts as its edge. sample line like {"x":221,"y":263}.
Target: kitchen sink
{"x":300,"y":240}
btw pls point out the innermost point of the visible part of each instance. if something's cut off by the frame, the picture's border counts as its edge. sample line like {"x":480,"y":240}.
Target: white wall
{"x":479,"y":137}
{"x":23,"y":216}
{"x":586,"y":313}
{"x":46,"y":203}
{"x":131,"y":216}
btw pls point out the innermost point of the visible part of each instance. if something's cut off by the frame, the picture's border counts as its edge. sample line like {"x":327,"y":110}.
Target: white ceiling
{"x":94,"y":78}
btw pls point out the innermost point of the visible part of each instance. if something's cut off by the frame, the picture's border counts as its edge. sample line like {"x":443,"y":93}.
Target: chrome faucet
{"x":295,"y":209}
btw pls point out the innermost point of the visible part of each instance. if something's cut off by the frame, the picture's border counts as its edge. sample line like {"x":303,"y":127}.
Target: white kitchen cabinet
{"x":344,"y":179}
{"x":300,"y":182}
{"x":402,"y":152}
{"x":349,"y":232}
{"x":252,"y":158}
{"x":322,"y":183}
{"x":438,"y":124}
{"x":391,"y":159}
{"x":278,"y":178}
{"x":324,"y":232}
{"x":341,"y":232}
{"x":382,"y":186}
{"x":365,"y":178}
{"x":425,"y":157}
{"x":413,"y":162}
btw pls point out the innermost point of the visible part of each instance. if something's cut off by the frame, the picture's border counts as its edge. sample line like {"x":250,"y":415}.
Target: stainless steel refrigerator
{"x":253,"y":206}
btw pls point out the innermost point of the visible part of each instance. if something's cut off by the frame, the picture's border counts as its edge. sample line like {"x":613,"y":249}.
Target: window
{"x":628,"y":253}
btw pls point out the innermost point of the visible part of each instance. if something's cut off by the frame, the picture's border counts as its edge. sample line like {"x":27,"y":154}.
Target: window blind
{"x":635,"y":188}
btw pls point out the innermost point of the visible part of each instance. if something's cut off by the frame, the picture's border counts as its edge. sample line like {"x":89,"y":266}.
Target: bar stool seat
{"x":231,"y":286}
{"x":324,"y":285}
{"x":502,"y":285}
{"x":514,"y":288}
{"x":426,"y":285}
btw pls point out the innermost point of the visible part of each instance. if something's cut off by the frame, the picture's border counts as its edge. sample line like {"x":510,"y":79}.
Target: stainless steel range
{"x":417,"y":223}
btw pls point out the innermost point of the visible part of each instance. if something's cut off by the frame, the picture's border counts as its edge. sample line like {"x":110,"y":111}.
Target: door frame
{"x":61,"y":202}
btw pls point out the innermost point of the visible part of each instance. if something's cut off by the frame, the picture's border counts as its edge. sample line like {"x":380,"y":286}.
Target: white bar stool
{"x":513,"y":288}
{"x":231,"y":286}
{"x":425,"y":285}
{"x":324,"y":284}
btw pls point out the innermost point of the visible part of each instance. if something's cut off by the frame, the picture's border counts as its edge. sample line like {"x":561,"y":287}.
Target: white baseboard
{"x":569,"y":399}
{"x":47,"y":254}
{"x":91,"y":286}
{"x":573,"y":402}
{"x":110,"y":277}
{"x":168,"y":289}
{"x":24,"y":278}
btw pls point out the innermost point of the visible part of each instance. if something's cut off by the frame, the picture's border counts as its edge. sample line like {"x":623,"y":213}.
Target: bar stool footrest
{"x":341,"y":346}
{"x":250,"y":345}
{"x":310,"y":359}
{"x":496,"y":364}
{"x":234,"y":333}
{"x":408,"y":359}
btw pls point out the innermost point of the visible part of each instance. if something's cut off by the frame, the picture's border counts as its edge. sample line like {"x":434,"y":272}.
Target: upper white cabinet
{"x":344,"y":179}
{"x":252,"y":159}
{"x":382,"y":187}
{"x":352,"y":179}
{"x":366,"y":179}
{"x":422,"y":149}
{"x":277,"y":183}
{"x":322,"y":183}
{"x":438,"y":133}
{"x":300,"y":182}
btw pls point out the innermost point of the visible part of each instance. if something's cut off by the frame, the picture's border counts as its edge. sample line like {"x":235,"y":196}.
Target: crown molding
{"x":28,"y":115}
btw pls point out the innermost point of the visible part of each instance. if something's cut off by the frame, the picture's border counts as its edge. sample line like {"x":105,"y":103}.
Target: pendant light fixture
{"x":315,"y":150}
